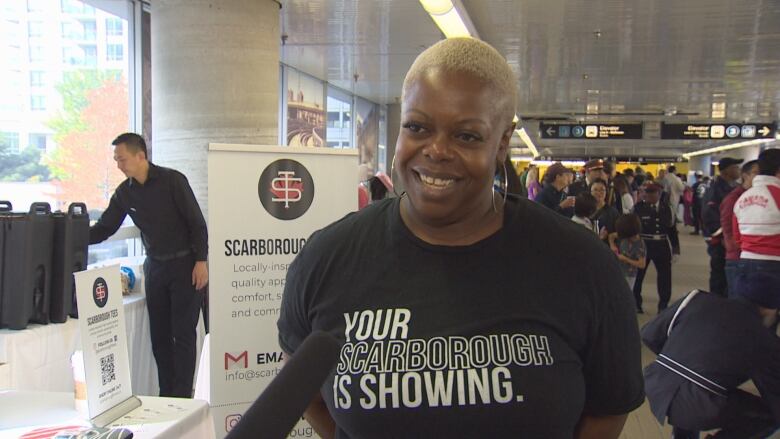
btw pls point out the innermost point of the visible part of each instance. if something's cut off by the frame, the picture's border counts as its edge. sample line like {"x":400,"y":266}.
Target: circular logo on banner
{"x":100,"y":292}
{"x":286,"y":189}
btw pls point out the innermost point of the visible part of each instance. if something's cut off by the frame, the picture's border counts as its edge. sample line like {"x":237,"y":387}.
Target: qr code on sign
{"x":107,"y":369}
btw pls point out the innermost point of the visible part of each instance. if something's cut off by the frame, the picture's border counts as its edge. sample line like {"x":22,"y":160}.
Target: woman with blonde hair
{"x":447,"y":330}
{"x":532,"y":183}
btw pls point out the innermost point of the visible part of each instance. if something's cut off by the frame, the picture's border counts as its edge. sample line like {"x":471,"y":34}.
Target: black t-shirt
{"x":513,"y":336}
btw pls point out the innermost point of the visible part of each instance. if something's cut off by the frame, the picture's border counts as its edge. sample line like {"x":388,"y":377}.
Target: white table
{"x":21,"y":412}
{"x":38,"y":358}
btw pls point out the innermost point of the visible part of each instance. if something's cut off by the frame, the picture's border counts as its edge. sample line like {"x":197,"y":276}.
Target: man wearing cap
{"x":656,"y":218}
{"x":693,"y":383}
{"x":728,"y":224}
{"x":757,"y":217}
{"x":594,"y":170}
{"x":552,"y":195}
{"x":728,"y":174}
{"x":696,"y":207}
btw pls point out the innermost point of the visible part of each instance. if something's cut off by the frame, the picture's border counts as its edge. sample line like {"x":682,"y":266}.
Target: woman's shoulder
{"x":354,"y":226}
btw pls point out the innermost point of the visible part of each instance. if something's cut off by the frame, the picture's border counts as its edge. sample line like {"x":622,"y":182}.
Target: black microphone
{"x":274,"y":414}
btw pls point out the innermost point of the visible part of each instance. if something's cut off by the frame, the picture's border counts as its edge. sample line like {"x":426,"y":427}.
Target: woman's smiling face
{"x":451,"y":140}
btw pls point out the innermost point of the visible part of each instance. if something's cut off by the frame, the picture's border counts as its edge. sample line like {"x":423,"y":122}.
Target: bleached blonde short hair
{"x":471,"y":56}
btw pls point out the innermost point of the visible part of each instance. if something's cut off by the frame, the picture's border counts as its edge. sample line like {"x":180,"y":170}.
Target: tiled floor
{"x":691,"y":271}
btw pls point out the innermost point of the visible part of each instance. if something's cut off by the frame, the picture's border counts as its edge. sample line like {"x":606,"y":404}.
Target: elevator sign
{"x":592,"y":131}
{"x":725,"y":131}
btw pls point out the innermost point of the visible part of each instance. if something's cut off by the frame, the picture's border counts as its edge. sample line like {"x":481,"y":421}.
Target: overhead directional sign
{"x":725,"y":131}
{"x":591,"y":131}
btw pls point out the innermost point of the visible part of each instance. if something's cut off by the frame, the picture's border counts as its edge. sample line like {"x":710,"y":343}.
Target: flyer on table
{"x":103,"y":338}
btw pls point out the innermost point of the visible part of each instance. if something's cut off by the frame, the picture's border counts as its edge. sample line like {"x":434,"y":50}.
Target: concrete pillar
{"x":215,"y":78}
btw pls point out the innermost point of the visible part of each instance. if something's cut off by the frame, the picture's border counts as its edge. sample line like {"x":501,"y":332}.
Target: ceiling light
{"x":726,"y":147}
{"x":528,"y":142}
{"x":567,"y":163}
{"x":451,"y":17}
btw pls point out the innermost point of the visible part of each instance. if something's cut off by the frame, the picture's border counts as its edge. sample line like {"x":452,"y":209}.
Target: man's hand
{"x":200,"y":275}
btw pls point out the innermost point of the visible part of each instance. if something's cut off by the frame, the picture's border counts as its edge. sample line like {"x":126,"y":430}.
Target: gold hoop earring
{"x":392,"y":169}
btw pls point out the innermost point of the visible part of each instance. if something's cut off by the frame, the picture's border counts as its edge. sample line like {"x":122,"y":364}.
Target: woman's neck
{"x":470,"y":229}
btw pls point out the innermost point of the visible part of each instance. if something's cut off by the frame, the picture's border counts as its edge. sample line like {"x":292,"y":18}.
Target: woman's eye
{"x":469,"y":137}
{"x":413,"y":127}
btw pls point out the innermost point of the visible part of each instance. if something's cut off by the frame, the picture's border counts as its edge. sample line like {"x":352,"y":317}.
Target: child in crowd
{"x":584,"y":207}
{"x":631,"y":249}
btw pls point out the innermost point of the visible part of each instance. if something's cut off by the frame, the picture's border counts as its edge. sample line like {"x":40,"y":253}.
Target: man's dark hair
{"x":584,"y":204}
{"x":769,"y":161}
{"x":748,"y":166}
{"x":672,"y":169}
{"x":628,"y":225}
{"x":628,"y":172}
{"x":133,"y":142}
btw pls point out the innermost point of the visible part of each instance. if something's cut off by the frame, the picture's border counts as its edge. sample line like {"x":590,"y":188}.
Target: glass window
{"x":38,"y":140}
{"x":9,"y":141}
{"x":113,"y":27}
{"x":37,"y":78}
{"x":36,"y":53}
{"x":76,"y":7}
{"x":35,"y":29}
{"x":36,"y":5}
{"x":114,"y":52}
{"x":38,"y":103}
{"x":90,"y":56}
{"x":61,"y":110}
{"x":72,"y":56}
{"x":90,"y":30}
{"x":339,"y":129}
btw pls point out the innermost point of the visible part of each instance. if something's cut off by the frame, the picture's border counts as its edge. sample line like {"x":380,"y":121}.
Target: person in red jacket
{"x":757,"y":217}
{"x":748,"y":171}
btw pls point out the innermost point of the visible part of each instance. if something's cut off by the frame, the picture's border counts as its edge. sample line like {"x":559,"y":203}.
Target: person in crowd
{"x":706,"y":347}
{"x":162,"y":205}
{"x":584,"y":208}
{"x":609,"y":176}
{"x":728,"y":174}
{"x":594,"y":170}
{"x":427,"y":272}
{"x":661,"y":178}
{"x":674,"y":186}
{"x":757,"y":217}
{"x":656,"y":218}
{"x":628,"y":173}
{"x":623,"y":191}
{"x":639,"y":180}
{"x":552,"y":194}
{"x":605,"y":215}
{"x":532,"y":183}
{"x":631,"y":249}
{"x":748,"y":172}
{"x":696,"y":204}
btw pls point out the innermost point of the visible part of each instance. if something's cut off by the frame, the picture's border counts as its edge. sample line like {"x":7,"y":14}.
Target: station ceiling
{"x":576,"y":60}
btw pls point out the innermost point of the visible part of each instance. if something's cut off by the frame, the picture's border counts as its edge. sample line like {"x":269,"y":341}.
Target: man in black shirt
{"x":657,"y":220}
{"x":163,"y":206}
{"x":552,"y":195}
{"x":728,"y":174}
{"x":708,"y":345}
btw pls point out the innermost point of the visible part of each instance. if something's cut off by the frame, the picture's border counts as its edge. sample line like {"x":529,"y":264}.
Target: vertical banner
{"x":264,"y":203}
{"x":103,"y":338}
{"x":367,"y":132}
{"x":305,"y":110}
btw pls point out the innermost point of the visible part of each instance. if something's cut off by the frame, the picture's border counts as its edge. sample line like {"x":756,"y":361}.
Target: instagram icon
{"x":231,"y":421}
